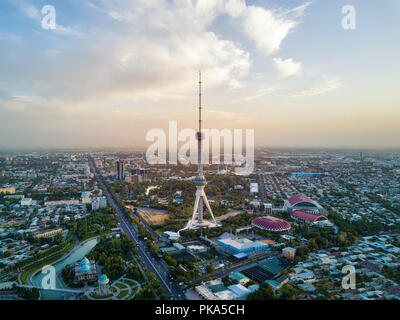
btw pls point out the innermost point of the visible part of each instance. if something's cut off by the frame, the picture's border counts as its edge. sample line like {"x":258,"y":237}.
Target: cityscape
{"x":187,"y":153}
{"x":113,"y":227}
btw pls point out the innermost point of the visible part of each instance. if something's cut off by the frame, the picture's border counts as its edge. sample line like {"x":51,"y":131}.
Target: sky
{"x":112,"y":70}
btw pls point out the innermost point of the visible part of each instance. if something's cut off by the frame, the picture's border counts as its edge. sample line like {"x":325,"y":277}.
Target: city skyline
{"x":112,"y":70}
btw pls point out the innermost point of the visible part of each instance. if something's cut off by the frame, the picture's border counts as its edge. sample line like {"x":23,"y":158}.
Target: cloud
{"x":266,"y":29}
{"x":152,"y":53}
{"x":288,"y":67}
{"x":261,"y":92}
{"x":132,"y":54}
{"x":26,"y":8}
{"x":299,"y":11}
{"x":68,"y":31}
{"x":235,"y":8}
{"x":325,"y":86}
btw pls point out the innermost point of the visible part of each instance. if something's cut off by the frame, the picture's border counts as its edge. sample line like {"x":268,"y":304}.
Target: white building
{"x":26,"y":202}
{"x":253,"y":187}
{"x":171,"y":235}
{"x":85,"y":198}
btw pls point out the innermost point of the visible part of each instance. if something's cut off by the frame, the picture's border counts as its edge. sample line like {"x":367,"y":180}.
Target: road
{"x":53,"y":289}
{"x":152,"y":263}
{"x":261,"y":183}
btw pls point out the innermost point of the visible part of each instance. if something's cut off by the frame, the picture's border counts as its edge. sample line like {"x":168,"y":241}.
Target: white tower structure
{"x":197,"y":220}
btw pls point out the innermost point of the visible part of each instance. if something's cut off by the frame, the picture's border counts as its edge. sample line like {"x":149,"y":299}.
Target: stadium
{"x":307,"y":217}
{"x":304,"y":203}
{"x":270,"y":223}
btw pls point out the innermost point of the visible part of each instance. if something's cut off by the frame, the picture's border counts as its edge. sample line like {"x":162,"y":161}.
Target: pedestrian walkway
{"x":121,"y":289}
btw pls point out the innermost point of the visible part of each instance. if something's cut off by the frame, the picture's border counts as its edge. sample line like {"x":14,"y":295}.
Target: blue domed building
{"x":103,"y":288}
{"x":85,"y":270}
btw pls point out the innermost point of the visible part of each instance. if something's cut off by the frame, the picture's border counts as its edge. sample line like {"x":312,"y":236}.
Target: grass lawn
{"x":122,"y":294}
{"x":120,"y":285}
{"x":129,"y":282}
{"x":96,"y":296}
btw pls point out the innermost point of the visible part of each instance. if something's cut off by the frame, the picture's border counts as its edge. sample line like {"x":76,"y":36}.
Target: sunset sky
{"x":114,"y":69}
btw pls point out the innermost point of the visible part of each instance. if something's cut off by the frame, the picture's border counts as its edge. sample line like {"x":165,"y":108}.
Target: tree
{"x":287,"y":293}
{"x":210,"y":268}
{"x":265,"y":292}
{"x":312,"y":244}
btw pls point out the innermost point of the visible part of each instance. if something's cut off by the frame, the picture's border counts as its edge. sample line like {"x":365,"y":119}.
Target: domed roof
{"x":85,"y":261}
{"x":300,"y":198}
{"x":103,"y":279}
{"x":308,"y":216}
{"x":85,"y":268}
{"x":271,"y":223}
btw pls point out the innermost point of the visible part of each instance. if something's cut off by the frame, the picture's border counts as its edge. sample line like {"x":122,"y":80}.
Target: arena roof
{"x":299,"y":198}
{"x":266,"y":270}
{"x":307,"y":216}
{"x":271,"y":223}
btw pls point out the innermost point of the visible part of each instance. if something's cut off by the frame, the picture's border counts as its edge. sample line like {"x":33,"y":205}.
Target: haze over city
{"x":112,"y":70}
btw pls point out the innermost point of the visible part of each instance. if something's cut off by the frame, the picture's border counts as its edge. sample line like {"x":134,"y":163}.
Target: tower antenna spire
{"x":200,"y":101}
{"x":197,"y":221}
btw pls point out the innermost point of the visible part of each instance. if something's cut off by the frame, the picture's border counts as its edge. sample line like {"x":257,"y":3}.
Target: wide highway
{"x":153,"y":264}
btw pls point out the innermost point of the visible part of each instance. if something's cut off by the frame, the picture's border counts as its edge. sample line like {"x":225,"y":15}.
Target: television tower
{"x":197,"y":220}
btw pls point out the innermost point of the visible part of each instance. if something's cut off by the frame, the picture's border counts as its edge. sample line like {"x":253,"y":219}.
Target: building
{"x":103,"y":288}
{"x":273,"y":224}
{"x":240,"y":278}
{"x":26,"y":202}
{"x":49,"y":233}
{"x":85,"y":197}
{"x":178,"y":246}
{"x":268,"y":208}
{"x":253,"y":187}
{"x":307,"y":217}
{"x":289,"y":253}
{"x":304,"y":203}
{"x":120,"y":170}
{"x":85,"y":270}
{"x":196,"y":248}
{"x":138,"y":175}
{"x":243,"y":246}
{"x":99,"y":203}
{"x":240,"y":290}
{"x":7,"y":190}
{"x":205,"y":293}
{"x":277,"y":283}
{"x":99,"y":163}
{"x":266,"y":270}
{"x":171,"y":235}
{"x":62,"y":203}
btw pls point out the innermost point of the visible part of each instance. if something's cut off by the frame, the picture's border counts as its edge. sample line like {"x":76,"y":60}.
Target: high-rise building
{"x":120,"y":170}
{"x":138,"y":175}
{"x":99,"y":203}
